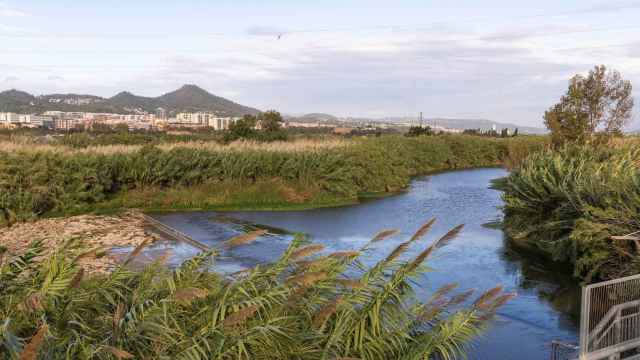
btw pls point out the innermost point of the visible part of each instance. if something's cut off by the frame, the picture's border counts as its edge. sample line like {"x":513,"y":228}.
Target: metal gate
{"x":610,"y":320}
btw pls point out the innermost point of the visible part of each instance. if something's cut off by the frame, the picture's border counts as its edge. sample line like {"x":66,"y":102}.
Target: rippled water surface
{"x":480,"y":258}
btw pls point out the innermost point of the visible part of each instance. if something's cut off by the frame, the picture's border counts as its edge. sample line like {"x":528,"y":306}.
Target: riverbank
{"x":96,"y":233}
{"x":49,"y":181}
{"x":576,"y":205}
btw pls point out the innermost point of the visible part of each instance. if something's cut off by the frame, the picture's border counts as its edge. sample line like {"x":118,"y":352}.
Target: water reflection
{"x":480,"y":258}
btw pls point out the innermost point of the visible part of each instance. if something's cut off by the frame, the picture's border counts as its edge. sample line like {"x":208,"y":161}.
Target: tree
{"x":419,"y":130}
{"x":270,"y":121}
{"x":599,"y":104}
{"x":242,"y":129}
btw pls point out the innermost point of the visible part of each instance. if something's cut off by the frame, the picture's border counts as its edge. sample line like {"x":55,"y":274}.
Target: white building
{"x":9,"y":118}
{"x":203,"y":119}
{"x":35,"y":120}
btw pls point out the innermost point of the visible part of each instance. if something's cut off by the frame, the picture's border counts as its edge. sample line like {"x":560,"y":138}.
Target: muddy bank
{"x":94,"y":231}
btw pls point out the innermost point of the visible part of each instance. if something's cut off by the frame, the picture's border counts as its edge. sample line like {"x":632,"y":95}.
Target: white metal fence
{"x":610,"y":320}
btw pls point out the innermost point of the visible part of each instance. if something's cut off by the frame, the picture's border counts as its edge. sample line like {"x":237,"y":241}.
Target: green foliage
{"x":570,"y":202}
{"x":295,"y":308}
{"x":270,"y":121}
{"x":599,"y":104}
{"x":419,"y":130}
{"x":263,"y":127}
{"x":42,"y":183}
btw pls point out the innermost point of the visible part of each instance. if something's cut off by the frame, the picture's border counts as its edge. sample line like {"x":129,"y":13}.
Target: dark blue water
{"x":479,"y":258}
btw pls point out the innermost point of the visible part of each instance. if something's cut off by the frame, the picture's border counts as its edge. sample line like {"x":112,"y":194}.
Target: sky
{"x":496,"y":59}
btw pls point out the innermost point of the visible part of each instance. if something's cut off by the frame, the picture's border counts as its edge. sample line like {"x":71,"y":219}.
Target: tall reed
{"x":273,"y":311}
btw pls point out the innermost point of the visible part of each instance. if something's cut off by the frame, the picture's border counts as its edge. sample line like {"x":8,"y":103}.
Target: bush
{"x":569,"y":203}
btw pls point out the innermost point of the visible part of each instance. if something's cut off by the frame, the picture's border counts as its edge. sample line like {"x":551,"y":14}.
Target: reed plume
{"x":31,"y":350}
{"x":187,"y":295}
{"x":344,"y":254}
{"x":384,"y":234}
{"x":307,"y":279}
{"x":239,"y":317}
{"x":118,"y":353}
{"x":137,"y":251}
{"x":307,"y":250}
{"x":244,"y":239}
{"x":484,"y":299}
{"x":423,"y":230}
{"x":325,"y":312}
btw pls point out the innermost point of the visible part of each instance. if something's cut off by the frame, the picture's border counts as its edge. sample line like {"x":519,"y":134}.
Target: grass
{"x":48,"y":180}
{"x":300,"y":307}
{"x":572,"y":203}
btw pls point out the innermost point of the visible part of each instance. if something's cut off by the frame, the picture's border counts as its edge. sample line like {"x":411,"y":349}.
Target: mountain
{"x":312,"y":118}
{"x":15,"y":100}
{"x":193,"y":98}
{"x":320,"y":117}
{"x":188,"y":98}
{"x":129,"y":102}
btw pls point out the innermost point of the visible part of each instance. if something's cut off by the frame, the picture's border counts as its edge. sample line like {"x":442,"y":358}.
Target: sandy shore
{"x":95,"y":231}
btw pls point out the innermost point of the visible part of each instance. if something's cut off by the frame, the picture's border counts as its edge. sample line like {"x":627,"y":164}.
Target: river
{"x":480,"y":258}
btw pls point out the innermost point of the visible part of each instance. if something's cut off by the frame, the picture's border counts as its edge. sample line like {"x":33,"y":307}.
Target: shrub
{"x":569,"y":203}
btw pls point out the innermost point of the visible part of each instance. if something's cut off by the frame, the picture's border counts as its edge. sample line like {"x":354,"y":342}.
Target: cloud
{"x":55,"y":78}
{"x":265,"y":31}
{"x":9,"y":79}
{"x":7,"y":11}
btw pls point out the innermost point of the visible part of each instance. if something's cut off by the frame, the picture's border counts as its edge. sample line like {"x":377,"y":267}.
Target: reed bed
{"x":575,"y":205}
{"x":300,"y":145}
{"x":51,"y":309}
{"x":45,"y":180}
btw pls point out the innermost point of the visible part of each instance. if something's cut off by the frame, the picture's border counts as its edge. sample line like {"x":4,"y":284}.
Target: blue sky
{"x":501,"y":60}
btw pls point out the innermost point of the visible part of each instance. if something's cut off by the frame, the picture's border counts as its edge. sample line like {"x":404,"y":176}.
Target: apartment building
{"x":35,"y":120}
{"x":202,"y":119}
{"x":7,"y":118}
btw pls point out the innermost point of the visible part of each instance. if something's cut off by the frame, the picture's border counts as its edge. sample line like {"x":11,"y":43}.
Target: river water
{"x":480,"y":258}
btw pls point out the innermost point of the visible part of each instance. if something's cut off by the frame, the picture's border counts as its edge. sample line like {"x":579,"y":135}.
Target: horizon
{"x":294,"y":114}
{"x":364,"y":59}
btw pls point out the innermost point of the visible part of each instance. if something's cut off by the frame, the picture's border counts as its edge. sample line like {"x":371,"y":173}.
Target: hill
{"x":187,"y":98}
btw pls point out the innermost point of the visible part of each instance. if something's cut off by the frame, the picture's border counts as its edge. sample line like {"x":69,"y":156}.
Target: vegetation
{"x":266,"y":126}
{"x":420,"y":130}
{"x":574,"y":203}
{"x":580,"y":203}
{"x":296,"y":308}
{"x":45,"y":180}
{"x":595,"y":106}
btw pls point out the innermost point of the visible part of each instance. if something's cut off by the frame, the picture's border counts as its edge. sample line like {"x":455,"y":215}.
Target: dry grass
{"x":302,"y":145}
{"x":619,"y":142}
{"x":97,"y":232}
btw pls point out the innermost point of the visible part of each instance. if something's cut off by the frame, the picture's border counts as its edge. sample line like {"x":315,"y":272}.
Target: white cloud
{"x":7,"y":11}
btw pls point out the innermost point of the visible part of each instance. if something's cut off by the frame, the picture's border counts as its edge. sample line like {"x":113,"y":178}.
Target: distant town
{"x":61,"y":120}
{"x":75,"y":120}
{"x":195,"y":108}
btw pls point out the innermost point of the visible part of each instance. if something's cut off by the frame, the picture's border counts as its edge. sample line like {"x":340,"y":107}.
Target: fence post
{"x":584,"y":323}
